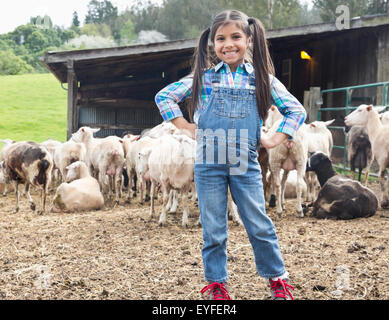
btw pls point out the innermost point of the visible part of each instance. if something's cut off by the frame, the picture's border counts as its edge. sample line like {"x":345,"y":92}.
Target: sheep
{"x":104,"y":157}
{"x":367,"y":116}
{"x":319,"y":139}
{"x":67,"y":153}
{"x":359,"y":153}
{"x":82,"y":193}
{"x":6,"y":142}
{"x":384,"y":117}
{"x":290,"y":186}
{"x":273,"y":116}
{"x":28,"y":163}
{"x":160,"y":130}
{"x":170,"y":164}
{"x":51,"y":145}
{"x":340,"y":197}
{"x":135,"y":162}
{"x":294,"y":158}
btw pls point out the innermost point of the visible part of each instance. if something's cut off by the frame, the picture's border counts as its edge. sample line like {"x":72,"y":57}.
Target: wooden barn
{"x":114,"y":88}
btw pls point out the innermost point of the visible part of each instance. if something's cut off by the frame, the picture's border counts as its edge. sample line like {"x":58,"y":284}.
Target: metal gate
{"x":348,"y":107}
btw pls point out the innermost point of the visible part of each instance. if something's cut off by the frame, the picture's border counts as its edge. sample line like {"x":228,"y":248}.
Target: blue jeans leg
{"x":212,"y":186}
{"x":247,"y":192}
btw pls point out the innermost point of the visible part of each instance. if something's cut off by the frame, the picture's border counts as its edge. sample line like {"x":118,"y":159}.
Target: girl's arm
{"x":168,"y":99}
{"x":292,"y":110}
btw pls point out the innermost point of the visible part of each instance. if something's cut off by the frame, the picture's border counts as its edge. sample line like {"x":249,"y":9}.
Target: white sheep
{"x":51,"y":145}
{"x":81,"y":194}
{"x":319,"y":138}
{"x":6,"y":142}
{"x":171,"y":164}
{"x":67,"y":153}
{"x":137,"y":161}
{"x":384,"y":117}
{"x":367,"y":116}
{"x":294,"y":158}
{"x":105,"y":158}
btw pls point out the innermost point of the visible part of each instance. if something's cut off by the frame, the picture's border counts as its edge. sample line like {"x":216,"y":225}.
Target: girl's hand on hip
{"x":190,"y":130}
{"x":275,"y":140}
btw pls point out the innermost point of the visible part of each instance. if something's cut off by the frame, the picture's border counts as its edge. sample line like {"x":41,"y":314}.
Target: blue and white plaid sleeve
{"x":292,"y":110}
{"x":169,"y":97}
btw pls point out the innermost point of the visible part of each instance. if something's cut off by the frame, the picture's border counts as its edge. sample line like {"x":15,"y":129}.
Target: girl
{"x":230,"y":101}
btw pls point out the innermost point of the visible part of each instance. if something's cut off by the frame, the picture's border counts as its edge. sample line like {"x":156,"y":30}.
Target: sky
{"x":17,"y":12}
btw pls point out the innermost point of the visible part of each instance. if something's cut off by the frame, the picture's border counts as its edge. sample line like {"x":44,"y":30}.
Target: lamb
{"x":170,"y":164}
{"x":359,"y":154}
{"x":367,"y":116}
{"x":81,"y":194}
{"x":28,"y":163}
{"x":340,"y":197}
{"x":104,"y":157}
{"x":294,"y":158}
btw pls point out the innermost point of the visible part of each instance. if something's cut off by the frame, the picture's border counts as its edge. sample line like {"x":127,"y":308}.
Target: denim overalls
{"x":230,"y":121}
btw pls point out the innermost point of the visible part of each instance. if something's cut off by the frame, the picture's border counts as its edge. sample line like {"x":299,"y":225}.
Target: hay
{"x":119,"y":254}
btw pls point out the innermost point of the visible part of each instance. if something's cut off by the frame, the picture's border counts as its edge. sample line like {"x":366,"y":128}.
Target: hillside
{"x":32,"y":107}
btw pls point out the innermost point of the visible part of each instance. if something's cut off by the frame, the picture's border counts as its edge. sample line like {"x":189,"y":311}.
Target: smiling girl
{"x":233,"y":96}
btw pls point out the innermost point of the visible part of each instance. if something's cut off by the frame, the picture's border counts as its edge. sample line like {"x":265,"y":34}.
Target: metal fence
{"x":349,"y":107}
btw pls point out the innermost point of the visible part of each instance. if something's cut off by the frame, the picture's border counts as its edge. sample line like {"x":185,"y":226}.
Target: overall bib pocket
{"x":232,"y":105}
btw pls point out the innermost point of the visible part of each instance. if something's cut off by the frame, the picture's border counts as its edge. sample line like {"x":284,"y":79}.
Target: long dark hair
{"x":261,"y":59}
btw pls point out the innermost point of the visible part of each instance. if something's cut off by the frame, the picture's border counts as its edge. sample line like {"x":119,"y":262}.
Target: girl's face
{"x":231,"y":44}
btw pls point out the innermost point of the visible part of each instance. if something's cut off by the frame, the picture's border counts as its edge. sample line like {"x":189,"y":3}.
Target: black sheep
{"x":340,"y":197}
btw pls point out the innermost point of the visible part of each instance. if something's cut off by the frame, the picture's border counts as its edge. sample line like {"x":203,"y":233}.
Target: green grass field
{"x":32,"y":107}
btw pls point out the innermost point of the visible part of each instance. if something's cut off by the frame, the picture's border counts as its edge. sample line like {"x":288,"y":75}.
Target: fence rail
{"x":348,"y":107}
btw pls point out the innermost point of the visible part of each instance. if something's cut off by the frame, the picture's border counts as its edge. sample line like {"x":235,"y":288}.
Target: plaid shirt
{"x":168,"y":98}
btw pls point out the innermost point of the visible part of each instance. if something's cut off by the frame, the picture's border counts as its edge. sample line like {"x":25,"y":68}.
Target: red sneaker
{"x":217,"y":291}
{"x":280,"y":289}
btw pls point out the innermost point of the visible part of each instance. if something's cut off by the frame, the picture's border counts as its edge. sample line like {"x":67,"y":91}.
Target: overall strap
{"x":252,"y":80}
{"x":215,"y":77}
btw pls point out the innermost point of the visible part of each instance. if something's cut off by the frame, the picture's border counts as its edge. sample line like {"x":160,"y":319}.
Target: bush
{"x":11,"y":64}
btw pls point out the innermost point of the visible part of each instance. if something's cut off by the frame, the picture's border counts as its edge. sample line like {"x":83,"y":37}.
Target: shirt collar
{"x":249,"y":68}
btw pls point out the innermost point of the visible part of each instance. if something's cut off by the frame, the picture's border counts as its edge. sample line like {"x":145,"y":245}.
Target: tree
{"x":12,"y":64}
{"x":75,"y":21}
{"x":327,"y":8}
{"x":378,"y":6}
{"x":44,"y":22}
{"x":96,"y":29}
{"x":101,"y":12}
{"x":127,"y":33}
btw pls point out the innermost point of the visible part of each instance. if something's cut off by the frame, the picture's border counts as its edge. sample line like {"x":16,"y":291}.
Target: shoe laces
{"x":280,"y":288}
{"x":218,"y":291}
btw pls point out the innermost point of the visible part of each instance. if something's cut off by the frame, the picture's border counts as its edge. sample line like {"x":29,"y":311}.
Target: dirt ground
{"x":119,"y":254}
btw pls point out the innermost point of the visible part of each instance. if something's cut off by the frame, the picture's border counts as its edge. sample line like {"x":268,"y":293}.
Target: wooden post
{"x":314,"y":105}
{"x":72,"y":117}
{"x":382,"y":63}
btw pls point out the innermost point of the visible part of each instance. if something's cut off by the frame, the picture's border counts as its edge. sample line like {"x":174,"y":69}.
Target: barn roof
{"x":127,"y":61}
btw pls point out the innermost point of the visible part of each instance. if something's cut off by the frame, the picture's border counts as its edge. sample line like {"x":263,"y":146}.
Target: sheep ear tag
{"x":369,"y":108}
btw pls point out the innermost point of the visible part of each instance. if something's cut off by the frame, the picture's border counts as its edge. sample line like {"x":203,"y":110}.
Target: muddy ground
{"x":119,"y":254}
